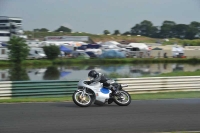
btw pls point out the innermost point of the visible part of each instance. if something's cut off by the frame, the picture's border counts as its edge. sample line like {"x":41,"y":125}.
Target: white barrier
{"x":161,"y":84}
{"x":5,"y":89}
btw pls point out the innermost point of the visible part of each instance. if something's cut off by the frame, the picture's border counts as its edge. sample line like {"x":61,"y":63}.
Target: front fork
{"x":83,"y":92}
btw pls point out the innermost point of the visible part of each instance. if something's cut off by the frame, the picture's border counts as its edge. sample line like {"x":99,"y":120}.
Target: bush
{"x":51,"y":51}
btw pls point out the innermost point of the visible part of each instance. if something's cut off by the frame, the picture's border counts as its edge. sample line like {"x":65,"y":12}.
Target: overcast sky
{"x":94,"y":16}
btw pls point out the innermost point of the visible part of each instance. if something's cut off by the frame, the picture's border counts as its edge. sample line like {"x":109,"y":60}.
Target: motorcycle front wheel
{"x":123,"y":99}
{"x":82,"y":100}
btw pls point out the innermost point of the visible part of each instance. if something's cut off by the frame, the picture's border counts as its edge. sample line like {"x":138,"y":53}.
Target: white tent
{"x":141,"y":46}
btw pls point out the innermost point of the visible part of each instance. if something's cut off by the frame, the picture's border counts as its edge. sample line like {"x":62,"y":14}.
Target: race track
{"x":66,"y":117}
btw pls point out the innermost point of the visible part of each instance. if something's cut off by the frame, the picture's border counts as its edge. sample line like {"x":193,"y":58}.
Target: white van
{"x":36,"y":53}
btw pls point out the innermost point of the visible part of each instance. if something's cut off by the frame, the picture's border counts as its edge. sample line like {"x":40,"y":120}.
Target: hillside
{"x":103,"y":38}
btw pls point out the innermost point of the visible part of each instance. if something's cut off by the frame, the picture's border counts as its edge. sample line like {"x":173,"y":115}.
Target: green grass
{"x":166,"y":95}
{"x":178,"y":73}
{"x":27,"y":63}
{"x":46,"y":99}
{"x":4,"y":63}
{"x":195,"y":73}
{"x":181,"y":132}
{"x":94,"y":37}
{"x":65,"y":61}
{"x":145,"y":96}
{"x":117,"y":75}
{"x":37,"y":62}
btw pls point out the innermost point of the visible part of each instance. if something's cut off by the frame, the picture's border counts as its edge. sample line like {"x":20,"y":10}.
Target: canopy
{"x":64,"y":49}
{"x":157,"y":48}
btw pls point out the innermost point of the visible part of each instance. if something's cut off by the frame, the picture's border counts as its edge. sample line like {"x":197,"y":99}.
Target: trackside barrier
{"x":161,"y":84}
{"x":37,"y":88}
{"x":5,"y":89}
{"x":53,"y":88}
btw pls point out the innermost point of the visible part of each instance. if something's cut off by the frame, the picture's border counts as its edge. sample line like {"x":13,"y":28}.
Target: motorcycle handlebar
{"x":124,"y":85}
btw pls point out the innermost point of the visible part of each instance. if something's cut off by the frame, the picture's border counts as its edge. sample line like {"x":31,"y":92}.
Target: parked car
{"x":36,"y":53}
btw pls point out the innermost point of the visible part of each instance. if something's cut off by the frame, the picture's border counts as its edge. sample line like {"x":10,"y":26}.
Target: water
{"x":80,"y":72}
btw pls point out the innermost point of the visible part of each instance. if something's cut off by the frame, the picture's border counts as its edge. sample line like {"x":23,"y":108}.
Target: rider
{"x":99,"y":77}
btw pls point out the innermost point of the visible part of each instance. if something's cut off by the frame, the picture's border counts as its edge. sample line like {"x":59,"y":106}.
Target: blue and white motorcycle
{"x":88,"y":93}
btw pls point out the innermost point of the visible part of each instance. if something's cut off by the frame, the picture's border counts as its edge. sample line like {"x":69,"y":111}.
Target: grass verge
{"x":145,"y":96}
{"x":195,"y":73}
{"x":46,"y":62}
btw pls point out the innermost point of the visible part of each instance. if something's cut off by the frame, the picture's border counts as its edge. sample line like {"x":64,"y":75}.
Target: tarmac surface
{"x":66,"y":117}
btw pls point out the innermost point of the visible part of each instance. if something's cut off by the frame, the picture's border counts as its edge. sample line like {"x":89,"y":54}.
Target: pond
{"x":72,"y":72}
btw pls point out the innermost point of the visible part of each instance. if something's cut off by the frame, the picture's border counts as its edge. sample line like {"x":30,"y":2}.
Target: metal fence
{"x":52,"y":88}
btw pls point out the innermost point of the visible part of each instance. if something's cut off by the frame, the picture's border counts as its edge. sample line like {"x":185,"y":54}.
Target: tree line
{"x":168,"y":29}
{"x":60,"y":29}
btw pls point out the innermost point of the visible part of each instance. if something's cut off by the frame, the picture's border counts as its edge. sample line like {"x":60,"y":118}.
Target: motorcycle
{"x":94,"y":92}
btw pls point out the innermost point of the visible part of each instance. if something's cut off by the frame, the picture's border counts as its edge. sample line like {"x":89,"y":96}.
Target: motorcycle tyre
{"x":121,"y":104}
{"x":78,"y":104}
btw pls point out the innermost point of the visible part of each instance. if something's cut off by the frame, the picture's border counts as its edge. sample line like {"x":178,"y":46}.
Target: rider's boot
{"x":110,"y":100}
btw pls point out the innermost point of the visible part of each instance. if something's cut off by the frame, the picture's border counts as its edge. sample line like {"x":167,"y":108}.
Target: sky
{"x":95,"y":16}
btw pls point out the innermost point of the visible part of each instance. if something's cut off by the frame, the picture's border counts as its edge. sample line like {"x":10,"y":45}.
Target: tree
{"x":126,"y":33}
{"x":193,"y":30}
{"x":116,"y":32}
{"x":64,"y":29}
{"x":155,"y":32}
{"x":180,"y":30}
{"x":105,"y":32}
{"x":19,"y":50}
{"x":41,"y":30}
{"x":36,"y":30}
{"x":44,"y":30}
{"x":167,"y":29}
{"x":136,"y":30}
{"x":145,"y":28}
{"x":51,"y":51}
